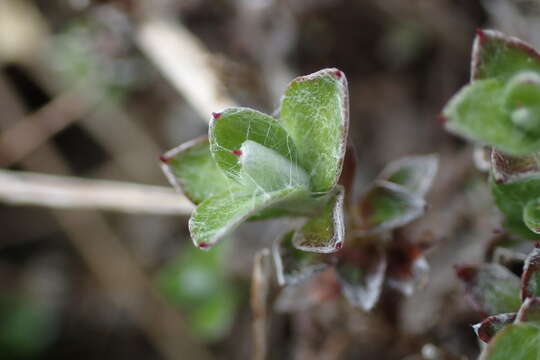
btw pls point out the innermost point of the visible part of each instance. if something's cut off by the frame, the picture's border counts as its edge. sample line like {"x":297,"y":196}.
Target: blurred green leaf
{"x":26,"y":327}
{"x":478,"y":112}
{"x":386,"y":206}
{"x":496,"y":55}
{"x":361,"y":273}
{"x":511,"y":199}
{"x":315,"y":112}
{"x":195,"y":282}
{"x":415,"y":173}
{"x":517,"y":342}
{"x":493,"y":289}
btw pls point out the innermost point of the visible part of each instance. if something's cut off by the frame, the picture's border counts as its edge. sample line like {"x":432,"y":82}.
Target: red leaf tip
{"x":339,"y":245}
{"x":481,"y":34}
{"x":441,"y":119}
{"x":465,"y":272}
{"x":216,"y":115}
{"x":236,"y":152}
{"x":338,"y":74}
{"x":203,"y":245}
{"x":164,"y":159}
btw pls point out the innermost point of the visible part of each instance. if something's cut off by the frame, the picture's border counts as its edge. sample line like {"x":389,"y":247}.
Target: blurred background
{"x":97,"y":90}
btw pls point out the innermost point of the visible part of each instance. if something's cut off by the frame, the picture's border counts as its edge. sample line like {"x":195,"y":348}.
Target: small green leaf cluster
{"x":500,"y":108}
{"x":512,"y":307}
{"x":252,"y":166}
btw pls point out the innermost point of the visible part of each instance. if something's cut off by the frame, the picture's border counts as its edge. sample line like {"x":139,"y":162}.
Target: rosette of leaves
{"x":372,"y":256}
{"x":252,"y":166}
{"x":512,"y":307}
{"x":500,"y":108}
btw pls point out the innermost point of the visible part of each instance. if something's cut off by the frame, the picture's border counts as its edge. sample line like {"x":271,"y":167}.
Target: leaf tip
{"x":442,"y":119}
{"x":164,"y":159}
{"x":203,"y":245}
{"x":338,"y":74}
{"x":465,"y":272}
{"x":216,"y":115}
{"x":339,"y":245}
{"x":236,"y":152}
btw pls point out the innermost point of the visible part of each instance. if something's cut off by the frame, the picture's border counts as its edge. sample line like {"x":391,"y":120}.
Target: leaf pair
{"x":501,"y":105}
{"x":253,"y":166}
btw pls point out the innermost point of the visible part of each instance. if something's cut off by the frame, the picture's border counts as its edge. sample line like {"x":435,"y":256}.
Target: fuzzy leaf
{"x":511,"y":198}
{"x":501,"y":56}
{"x":522,"y":100}
{"x":323,"y":233}
{"x":315,"y":111}
{"x":531,"y":215}
{"x":219,"y":215}
{"x":293,"y":265}
{"x":361,"y":274}
{"x":231,"y":128}
{"x":415,"y":173}
{"x":490,"y":326}
{"x":478,"y":112}
{"x":266,"y":170}
{"x":492,"y":288}
{"x":530,"y":278}
{"x":507,"y":169}
{"x":529,"y":311}
{"x":191,"y":169}
{"x":517,"y":342}
{"x":386,"y":206}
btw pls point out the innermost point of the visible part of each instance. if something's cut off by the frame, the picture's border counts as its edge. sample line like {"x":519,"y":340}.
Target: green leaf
{"x":478,"y":112}
{"x":511,"y":199}
{"x":219,"y":215}
{"x":266,"y":170}
{"x":191,"y":169}
{"x":522,"y":100}
{"x":490,"y":326}
{"x":493,"y":289}
{"x":315,"y":110}
{"x":386,"y":206}
{"x":531,"y":215}
{"x":529,"y":311}
{"x":517,"y":342}
{"x":415,"y":173}
{"x":293,"y":265}
{"x":323,"y":233}
{"x":231,"y":128}
{"x":496,"y":55}
{"x":361,"y":272}
{"x":530,"y":278}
